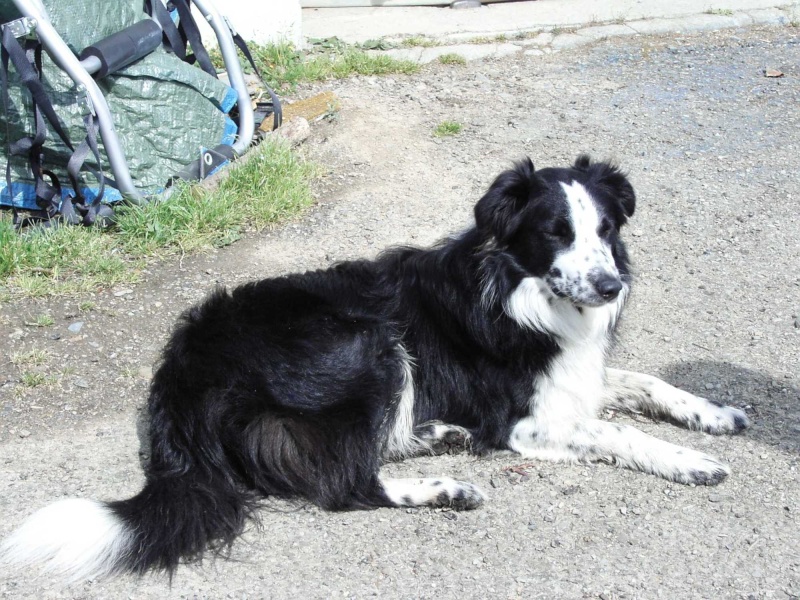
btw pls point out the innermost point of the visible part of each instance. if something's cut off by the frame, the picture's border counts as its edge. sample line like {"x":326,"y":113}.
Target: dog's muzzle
{"x":607,"y":286}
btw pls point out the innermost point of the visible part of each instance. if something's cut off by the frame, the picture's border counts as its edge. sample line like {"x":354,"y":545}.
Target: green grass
{"x":283,"y":66}
{"x":451,"y":58}
{"x":43,"y":320}
{"x":727,"y":12}
{"x":447,"y":128}
{"x":34,"y":357}
{"x":494,"y":39}
{"x":32,"y":379}
{"x":271,"y":185}
{"x":418,"y":41}
{"x":75,"y":258}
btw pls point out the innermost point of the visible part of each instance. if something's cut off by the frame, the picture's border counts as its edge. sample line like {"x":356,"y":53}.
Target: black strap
{"x":6,"y":102}
{"x":189,"y":27}
{"x":276,"y":103}
{"x":79,"y":157}
{"x":48,"y":195}
{"x":172,"y":36}
{"x":28,"y":66}
{"x":177,"y":36}
{"x":29,"y":75}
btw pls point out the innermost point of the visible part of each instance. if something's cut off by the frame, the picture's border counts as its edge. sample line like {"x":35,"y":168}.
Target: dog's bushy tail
{"x":191,"y":502}
{"x":170,"y":519}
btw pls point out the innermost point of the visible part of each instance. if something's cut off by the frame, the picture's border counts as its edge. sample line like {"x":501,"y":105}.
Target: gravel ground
{"x":712,"y":146}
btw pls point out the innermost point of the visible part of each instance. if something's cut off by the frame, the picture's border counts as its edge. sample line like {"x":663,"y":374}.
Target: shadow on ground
{"x":772,"y":404}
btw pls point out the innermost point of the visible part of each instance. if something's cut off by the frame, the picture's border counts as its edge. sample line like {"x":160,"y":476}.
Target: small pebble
{"x":24,"y":433}
{"x":76,"y":327}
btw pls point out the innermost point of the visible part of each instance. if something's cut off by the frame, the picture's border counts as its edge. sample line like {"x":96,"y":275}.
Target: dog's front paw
{"x":692,"y":467}
{"x":459,"y":495}
{"x":718,"y":419}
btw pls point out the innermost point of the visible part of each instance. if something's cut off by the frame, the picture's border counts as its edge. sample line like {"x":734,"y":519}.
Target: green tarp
{"x":164,"y":110}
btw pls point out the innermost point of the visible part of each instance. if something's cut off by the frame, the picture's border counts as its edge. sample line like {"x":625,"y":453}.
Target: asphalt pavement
{"x":706,"y":124}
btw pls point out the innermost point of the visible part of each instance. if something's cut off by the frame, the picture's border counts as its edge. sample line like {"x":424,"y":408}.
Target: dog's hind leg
{"x":638,"y":393}
{"x":440,"y":438}
{"x":433,"y":492}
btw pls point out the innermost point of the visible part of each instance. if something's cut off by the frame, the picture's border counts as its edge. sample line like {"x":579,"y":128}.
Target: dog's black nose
{"x":608,"y":286}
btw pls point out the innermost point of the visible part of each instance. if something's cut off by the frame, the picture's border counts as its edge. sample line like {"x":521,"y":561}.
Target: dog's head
{"x":562,"y":226}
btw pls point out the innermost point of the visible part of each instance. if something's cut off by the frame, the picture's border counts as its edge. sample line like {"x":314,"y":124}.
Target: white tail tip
{"x":73,"y":539}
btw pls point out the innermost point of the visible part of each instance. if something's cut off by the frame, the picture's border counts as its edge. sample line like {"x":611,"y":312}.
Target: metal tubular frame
{"x":222,"y":29}
{"x":80,"y":73}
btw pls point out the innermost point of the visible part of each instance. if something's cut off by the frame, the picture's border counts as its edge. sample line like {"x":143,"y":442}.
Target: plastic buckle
{"x":87,"y":98}
{"x":20,"y":27}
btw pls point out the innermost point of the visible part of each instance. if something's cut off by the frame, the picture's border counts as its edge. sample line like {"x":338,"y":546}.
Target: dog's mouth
{"x":593,"y":303}
{"x":580,"y":296}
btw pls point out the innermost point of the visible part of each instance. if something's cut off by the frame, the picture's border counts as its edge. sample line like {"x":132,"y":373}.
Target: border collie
{"x":302,"y":386}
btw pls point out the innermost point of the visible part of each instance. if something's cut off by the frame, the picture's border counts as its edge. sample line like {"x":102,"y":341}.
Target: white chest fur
{"x":572,"y":387}
{"x":571,"y":390}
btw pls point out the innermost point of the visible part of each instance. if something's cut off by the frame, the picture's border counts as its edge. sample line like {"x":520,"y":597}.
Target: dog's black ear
{"x":612,"y":178}
{"x":582,"y":163}
{"x":499,"y":212}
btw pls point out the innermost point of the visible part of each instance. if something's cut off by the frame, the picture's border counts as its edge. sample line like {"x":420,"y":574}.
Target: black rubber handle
{"x":124,"y":47}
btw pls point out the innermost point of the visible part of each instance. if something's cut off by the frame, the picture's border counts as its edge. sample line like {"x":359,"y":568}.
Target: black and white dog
{"x":301,"y":386}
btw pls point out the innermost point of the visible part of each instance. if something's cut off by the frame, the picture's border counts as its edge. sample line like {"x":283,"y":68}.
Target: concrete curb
{"x":546,"y":40}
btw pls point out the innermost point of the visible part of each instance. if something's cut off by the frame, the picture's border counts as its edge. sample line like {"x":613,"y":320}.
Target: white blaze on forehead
{"x":582,"y":212}
{"x":588,"y":250}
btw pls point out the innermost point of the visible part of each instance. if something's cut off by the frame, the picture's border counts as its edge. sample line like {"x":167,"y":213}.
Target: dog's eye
{"x":560,"y":230}
{"x":605,"y":228}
